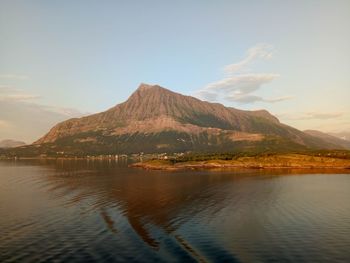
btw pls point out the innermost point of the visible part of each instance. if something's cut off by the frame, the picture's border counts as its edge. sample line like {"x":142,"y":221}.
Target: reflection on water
{"x":104,"y":211}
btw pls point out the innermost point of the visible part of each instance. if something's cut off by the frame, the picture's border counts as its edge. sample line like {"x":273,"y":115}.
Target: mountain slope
{"x":341,"y":135}
{"x":168,"y":109}
{"x":330,"y":139}
{"x":155,"y":119}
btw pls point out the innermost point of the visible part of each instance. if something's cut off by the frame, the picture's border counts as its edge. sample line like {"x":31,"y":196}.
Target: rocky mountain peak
{"x":146,"y":87}
{"x":168,"y":120}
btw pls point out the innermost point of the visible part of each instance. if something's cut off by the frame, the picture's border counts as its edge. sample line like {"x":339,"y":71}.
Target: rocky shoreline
{"x":271,"y":162}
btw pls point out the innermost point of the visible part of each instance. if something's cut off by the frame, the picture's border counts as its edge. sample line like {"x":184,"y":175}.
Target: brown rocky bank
{"x":287,"y":161}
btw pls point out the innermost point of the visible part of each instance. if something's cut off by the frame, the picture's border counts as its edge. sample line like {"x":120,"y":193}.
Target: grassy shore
{"x":277,"y":161}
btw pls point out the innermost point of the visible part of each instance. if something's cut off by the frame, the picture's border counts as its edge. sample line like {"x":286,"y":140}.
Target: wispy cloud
{"x":28,"y":121}
{"x":278,"y":99}
{"x":311,"y":115}
{"x":7,"y":88}
{"x":260,"y":51}
{"x":69,"y":112}
{"x":244,"y":99}
{"x":240,"y":87}
{"x":331,"y":121}
{"x":338,"y":127}
{"x":243,"y":84}
{"x":10,"y":93}
{"x":23,"y":117}
{"x":18,"y":97}
{"x":13,"y":76}
{"x":323,"y":115}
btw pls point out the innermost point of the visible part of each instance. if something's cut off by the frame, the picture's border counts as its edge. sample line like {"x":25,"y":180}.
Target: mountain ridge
{"x":329,"y":138}
{"x":132,"y":110}
{"x":162,"y":120}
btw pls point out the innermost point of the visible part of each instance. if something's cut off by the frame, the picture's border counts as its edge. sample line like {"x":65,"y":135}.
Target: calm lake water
{"x":80,"y":211}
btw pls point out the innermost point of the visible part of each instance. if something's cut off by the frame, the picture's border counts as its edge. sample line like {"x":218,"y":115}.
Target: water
{"x":80,"y":211}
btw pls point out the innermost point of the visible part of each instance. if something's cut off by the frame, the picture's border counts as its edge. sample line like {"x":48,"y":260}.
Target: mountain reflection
{"x":145,"y":198}
{"x":152,"y":198}
{"x":87,"y":211}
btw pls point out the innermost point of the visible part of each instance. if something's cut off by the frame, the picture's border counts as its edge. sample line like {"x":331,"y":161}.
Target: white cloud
{"x":246,"y":98}
{"x":241,"y":84}
{"x":260,"y":51}
{"x":240,"y":87}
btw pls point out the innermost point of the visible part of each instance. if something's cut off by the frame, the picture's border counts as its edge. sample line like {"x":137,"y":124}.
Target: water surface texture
{"x":85,"y":211}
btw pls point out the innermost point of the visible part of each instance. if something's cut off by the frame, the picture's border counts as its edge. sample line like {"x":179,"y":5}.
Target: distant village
{"x":118,"y":157}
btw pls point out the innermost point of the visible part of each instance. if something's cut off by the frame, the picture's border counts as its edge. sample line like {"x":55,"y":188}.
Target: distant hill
{"x":11,"y":144}
{"x":341,"y":135}
{"x":329,"y":138}
{"x":155,"y":119}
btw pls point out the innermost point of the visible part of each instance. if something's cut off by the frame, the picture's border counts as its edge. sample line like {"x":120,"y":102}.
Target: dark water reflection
{"x":81,"y":211}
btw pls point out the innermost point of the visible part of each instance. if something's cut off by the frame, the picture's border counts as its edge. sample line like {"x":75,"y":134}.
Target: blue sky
{"x":63,"y":58}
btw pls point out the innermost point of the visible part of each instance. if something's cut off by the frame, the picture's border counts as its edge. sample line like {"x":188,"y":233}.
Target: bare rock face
{"x":155,"y":115}
{"x":152,"y":108}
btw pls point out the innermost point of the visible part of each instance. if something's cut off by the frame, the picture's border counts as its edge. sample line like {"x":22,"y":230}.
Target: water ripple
{"x":83,"y":211}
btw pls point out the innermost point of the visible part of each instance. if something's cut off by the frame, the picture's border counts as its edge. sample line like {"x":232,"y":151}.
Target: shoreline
{"x":293,"y":161}
{"x":213,"y":166}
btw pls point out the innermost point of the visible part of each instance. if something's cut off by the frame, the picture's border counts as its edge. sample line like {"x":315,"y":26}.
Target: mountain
{"x":11,"y":144}
{"x":155,"y":119}
{"x":341,"y":135}
{"x":329,"y":138}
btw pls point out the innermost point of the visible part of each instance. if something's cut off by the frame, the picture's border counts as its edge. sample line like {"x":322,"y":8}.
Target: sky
{"x":63,"y":59}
